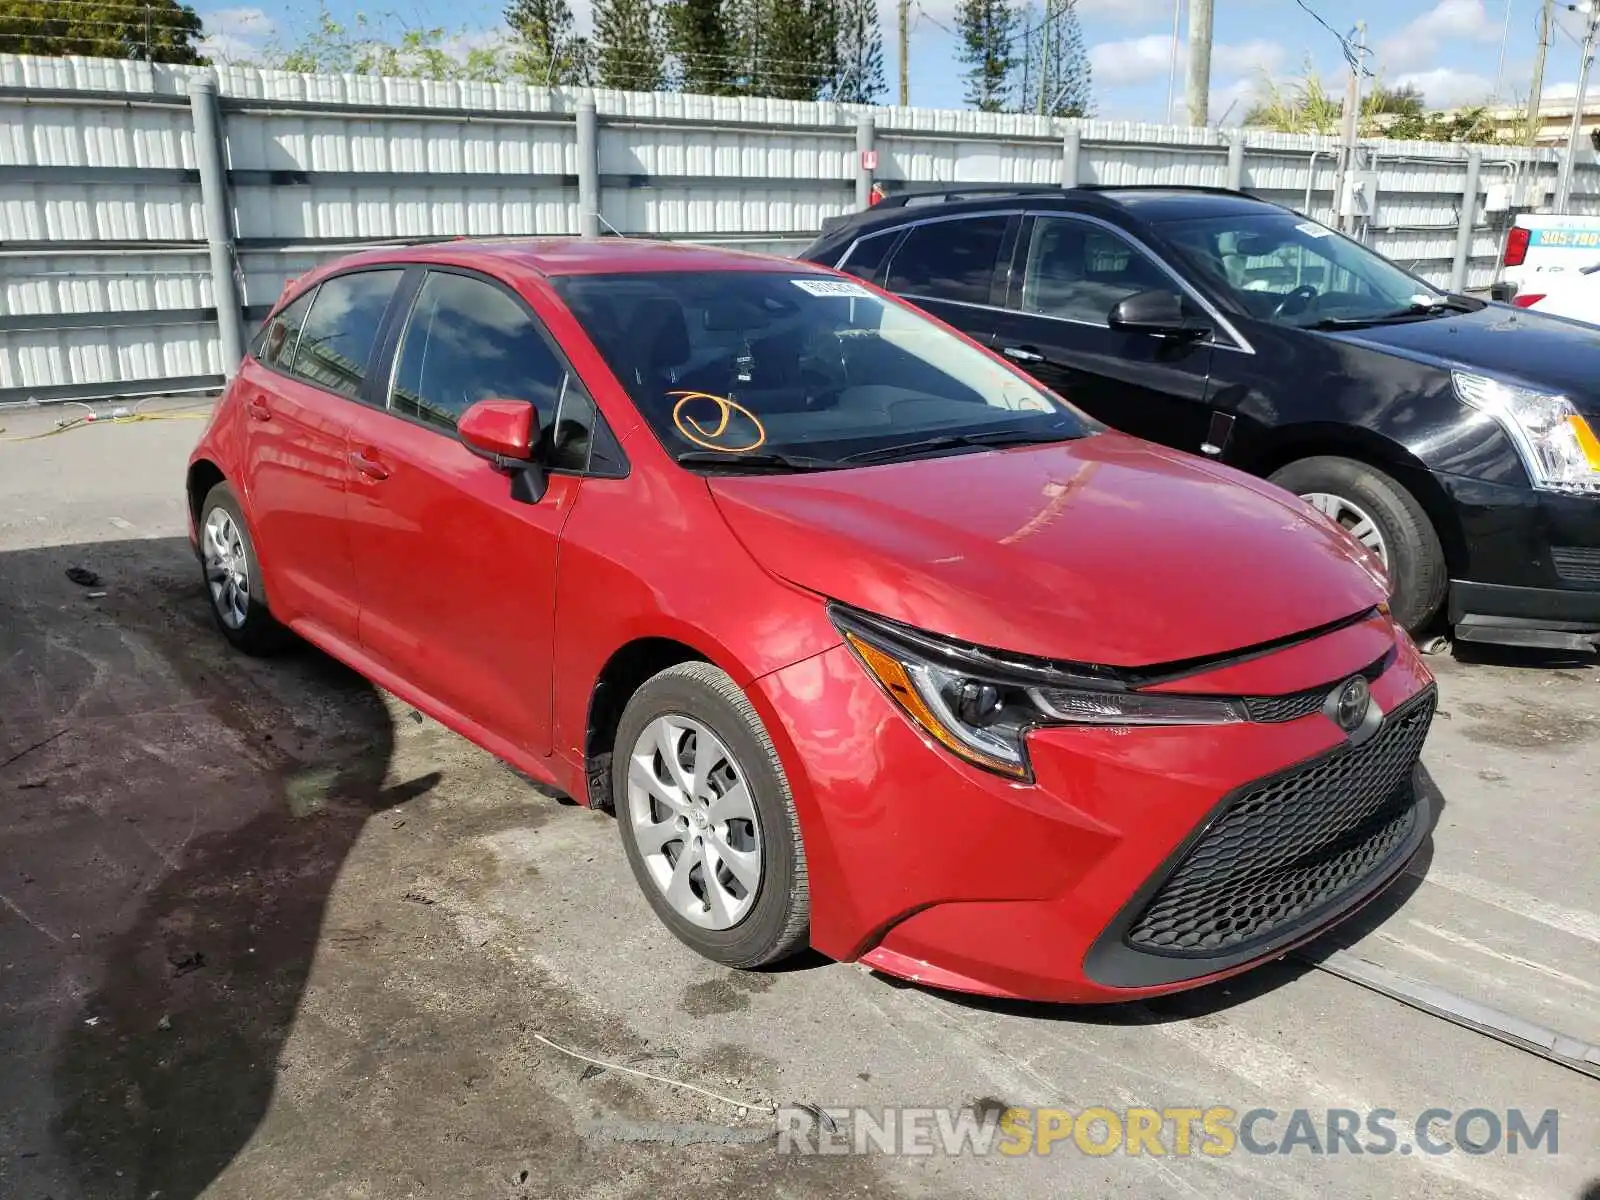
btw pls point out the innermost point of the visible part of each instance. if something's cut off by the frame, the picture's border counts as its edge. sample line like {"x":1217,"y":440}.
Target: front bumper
{"x":1531,"y":573}
{"x":929,"y":869}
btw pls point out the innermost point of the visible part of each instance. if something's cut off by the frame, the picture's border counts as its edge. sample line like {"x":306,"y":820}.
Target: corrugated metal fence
{"x":106,"y":283}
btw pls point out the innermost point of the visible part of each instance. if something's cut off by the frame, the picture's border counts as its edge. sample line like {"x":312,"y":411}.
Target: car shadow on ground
{"x":168,"y":853}
{"x":1238,"y":989}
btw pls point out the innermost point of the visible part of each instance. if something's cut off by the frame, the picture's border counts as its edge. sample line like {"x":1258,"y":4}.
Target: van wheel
{"x":232,"y":576}
{"x":1387,"y":520}
{"x":707,"y":820}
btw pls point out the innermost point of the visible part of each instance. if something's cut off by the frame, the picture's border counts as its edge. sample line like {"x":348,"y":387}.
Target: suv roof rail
{"x":948,"y":192}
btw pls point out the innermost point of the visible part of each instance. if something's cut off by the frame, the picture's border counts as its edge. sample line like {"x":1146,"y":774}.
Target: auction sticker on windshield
{"x":1312,"y":229}
{"x":832,"y":287}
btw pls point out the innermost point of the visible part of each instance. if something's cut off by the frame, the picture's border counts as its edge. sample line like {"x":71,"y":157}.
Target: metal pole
{"x":905,"y":53}
{"x":1172,"y":63}
{"x":1466,"y":222}
{"x":1236,"y":161}
{"x":1536,"y":89}
{"x":866,"y":131}
{"x":1350,"y":134}
{"x":1071,"y":157}
{"x":207,"y":118}
{"x":1569,"y":163}
{"x":588,"y":130}
{"x":1198,"y":80}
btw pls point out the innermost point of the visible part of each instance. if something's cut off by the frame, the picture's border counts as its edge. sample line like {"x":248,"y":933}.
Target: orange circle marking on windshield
{"x":701,"y":435}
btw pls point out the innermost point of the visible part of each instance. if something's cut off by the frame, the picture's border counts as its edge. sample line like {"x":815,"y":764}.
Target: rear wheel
{"x":1385,"y":518}
{"x":232,"y":576}
{"x":706,"y":818}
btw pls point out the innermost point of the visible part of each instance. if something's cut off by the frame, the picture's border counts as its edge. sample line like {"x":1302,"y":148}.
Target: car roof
{"x":552,"y":256}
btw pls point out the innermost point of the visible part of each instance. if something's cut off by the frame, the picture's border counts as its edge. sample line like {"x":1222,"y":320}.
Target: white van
{"x":1541,"y":247}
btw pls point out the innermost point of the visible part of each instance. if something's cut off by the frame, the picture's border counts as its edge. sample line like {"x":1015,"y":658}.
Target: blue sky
{"x":1456,"y":51}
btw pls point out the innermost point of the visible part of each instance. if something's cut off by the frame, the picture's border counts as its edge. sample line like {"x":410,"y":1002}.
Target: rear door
{"x":299,"y":398}
{"x":1070,"y":272}
{"x":951,"y":266}
{"x":458,"y":579}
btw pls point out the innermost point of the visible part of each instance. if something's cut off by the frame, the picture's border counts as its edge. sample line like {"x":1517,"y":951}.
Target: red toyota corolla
{"x":870,"y":643}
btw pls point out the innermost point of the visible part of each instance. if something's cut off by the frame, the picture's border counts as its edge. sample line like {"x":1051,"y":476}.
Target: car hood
{"x":1540,"y":350}
{"x":1103,"y":550}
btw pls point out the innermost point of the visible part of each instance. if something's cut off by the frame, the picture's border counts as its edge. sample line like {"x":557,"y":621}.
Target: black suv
{"x":1459,"y":440}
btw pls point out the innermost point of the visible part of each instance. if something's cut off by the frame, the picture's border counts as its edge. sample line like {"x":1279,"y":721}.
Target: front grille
{"x":1274,"y":710}
{"x":1577,"y":564}
{"x":1288,"y":847}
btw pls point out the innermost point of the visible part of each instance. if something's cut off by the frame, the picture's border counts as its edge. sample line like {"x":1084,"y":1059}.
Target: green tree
{"x":360,"y":47}
{"x":859,"y":77}
{"x":630,"y":45}
{"x":163,"y":31}
{"x":700,"y":37}
{"x":790,"y":47}
{"x":988,"y":30}
{"x":1056,"y":73}
{"x":547,"y":50}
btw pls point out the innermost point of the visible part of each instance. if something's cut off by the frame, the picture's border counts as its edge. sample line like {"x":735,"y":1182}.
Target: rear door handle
{"x":367,"y":463}
{"x":258,"y":409}
{"x":1023,"y":354}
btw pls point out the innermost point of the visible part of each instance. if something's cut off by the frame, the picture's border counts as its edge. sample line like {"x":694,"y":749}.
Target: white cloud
{"x":1446,"y":21}
{"x":1127,"y":12}
{"x":1444,"y":87}
{"x":1231,"y":101}
{"x":1142,"y":59}
{"x":1566,"y":91}
{"x":236,"y":34}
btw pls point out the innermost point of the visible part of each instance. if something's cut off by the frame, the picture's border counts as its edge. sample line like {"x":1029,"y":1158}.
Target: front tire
{"x":1384,"y":517}
{"x":232,"y":576}
{"x":707,"y":821}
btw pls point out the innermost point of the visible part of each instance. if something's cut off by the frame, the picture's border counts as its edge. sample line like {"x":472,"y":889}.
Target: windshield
{"x":1284,"y":268}
{"x":742,"y":369}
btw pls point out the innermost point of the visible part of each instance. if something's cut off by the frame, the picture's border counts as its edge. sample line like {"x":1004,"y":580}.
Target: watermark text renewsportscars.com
{"x":1214,"y":1131}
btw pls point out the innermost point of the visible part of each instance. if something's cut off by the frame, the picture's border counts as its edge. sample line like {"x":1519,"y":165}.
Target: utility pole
{"x":1172,"y":65}
{"x":1536,"y":89}
{"x":1569,"y":164}
{"x":905,"y":53}
{"x":1352,"y":129}
{"x":1198,"y":80}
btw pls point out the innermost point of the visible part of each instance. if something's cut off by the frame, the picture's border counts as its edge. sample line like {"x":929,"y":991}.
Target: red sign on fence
{"x":869,"y":160}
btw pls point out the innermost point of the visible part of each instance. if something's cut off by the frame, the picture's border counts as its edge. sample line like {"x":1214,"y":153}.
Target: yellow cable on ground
{"x":80,"y":422}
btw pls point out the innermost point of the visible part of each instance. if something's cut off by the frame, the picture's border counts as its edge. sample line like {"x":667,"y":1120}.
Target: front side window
{"x":1081,"y":271}
{"x":468,"y":340}
{"x":1287,"y":269}
{"x":275,"y":344}
{"x":337,"y":339}
{"x":949,"y":260}
{"x":756,"y":366}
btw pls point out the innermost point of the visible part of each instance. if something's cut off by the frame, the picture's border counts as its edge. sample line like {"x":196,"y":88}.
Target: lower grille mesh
{"x":1288,"y":846}
{"x":1577,"y":564}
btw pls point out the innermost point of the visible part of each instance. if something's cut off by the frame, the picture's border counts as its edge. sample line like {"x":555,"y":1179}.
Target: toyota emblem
{"x":1350,"y":708}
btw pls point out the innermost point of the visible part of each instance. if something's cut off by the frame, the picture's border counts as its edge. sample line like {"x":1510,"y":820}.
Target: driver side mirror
{"x":1159,"y":312}
{"x":502,"y":431}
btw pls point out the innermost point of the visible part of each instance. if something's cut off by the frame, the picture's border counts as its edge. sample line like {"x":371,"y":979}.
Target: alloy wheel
{"x":227,"y":569}
{"x":694,"y":822}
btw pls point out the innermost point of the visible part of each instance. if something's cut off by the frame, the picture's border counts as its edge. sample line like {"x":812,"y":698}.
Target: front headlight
{"x":980,"y":705}
{"x":1557,"y":445}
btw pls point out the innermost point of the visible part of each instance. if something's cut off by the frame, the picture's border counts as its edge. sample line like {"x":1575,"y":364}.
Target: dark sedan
{"x":1456,"y":439}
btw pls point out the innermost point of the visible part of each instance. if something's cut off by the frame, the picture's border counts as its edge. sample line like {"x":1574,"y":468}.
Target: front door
{"x":1070,"y":274}
{"x":458,"y":579}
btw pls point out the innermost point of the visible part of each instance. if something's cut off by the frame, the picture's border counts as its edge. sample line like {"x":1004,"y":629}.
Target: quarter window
{"x":276,"y":342}
{"x":867,"y":258}
{"x":949,"y":260}
{"x":1081,"y":272}
{"x":336,"y":340}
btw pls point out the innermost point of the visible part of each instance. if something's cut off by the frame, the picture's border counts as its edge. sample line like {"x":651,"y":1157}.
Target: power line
{"x":1353,"y":54}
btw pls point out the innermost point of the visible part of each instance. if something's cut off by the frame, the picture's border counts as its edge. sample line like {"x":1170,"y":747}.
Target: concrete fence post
{"x":588,"y":130}
{"x":1236,"y":160}
{"x":866,"y":135}
{"x":206,"y":114}
{"x":1071,"y":156}
{"x":1466,"y":222}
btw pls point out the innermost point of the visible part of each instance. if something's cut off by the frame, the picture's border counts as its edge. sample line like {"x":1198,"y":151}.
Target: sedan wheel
{"x":694,"y":822}
{"x":1355,"y":519}
{"x":227,"y":569}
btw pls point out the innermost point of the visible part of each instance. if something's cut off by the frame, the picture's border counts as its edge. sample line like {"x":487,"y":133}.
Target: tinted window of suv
{"x":337,"y":337}
{"x":867,"y":258}
{"x":1081,"y":271}
{"x":949,"y":260}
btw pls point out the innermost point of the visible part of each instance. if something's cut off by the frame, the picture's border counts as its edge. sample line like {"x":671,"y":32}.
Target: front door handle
{"x":367,"y":463}
{"x":258,"y":409}
{"x":1023,"y":354}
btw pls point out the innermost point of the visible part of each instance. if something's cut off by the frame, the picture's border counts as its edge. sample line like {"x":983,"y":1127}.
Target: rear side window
{"x":467,"y":341}
{"x":276,"y":342}
{"x":949,"y":260}
{"x":336,"y":340}
{"x":866,"y":260}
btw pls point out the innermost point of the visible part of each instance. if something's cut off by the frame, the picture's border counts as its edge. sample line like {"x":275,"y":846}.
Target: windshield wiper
{"x":1417,"y":308}
{"x":950,"y":441}
{"x":764,"y":461}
